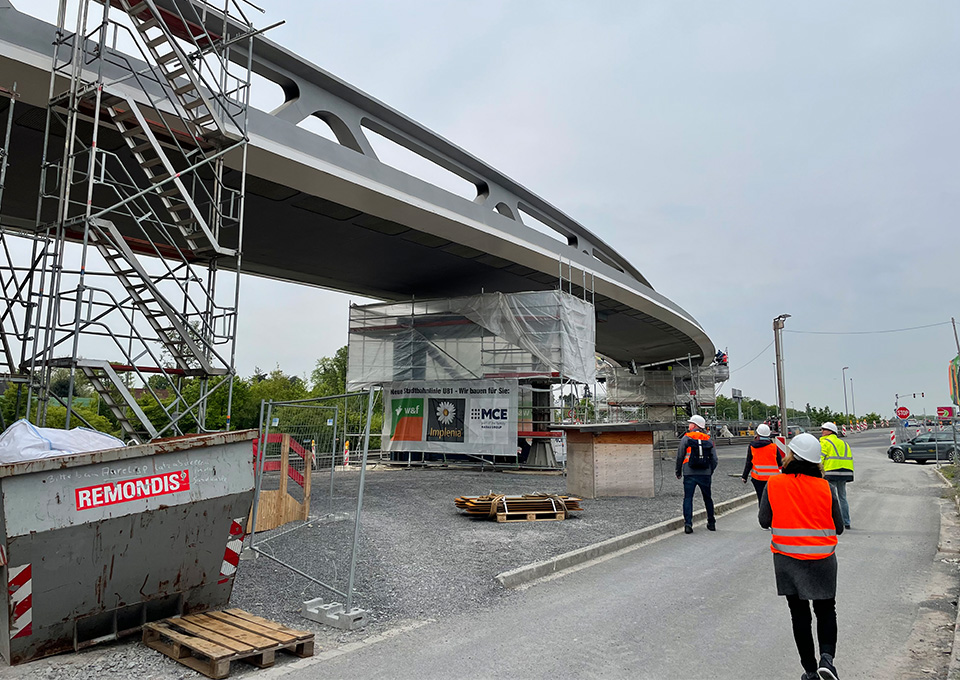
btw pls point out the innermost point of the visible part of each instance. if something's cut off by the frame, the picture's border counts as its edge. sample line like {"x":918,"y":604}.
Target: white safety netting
{"x":493,"y":335}
{"x":659,"y":387}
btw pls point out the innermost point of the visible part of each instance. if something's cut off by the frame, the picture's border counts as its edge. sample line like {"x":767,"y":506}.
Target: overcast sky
{"x":750,"y":158}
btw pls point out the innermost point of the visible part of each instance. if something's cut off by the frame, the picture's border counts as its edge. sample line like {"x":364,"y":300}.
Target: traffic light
{"x":914,"y":395}
{"x":921,"y":394}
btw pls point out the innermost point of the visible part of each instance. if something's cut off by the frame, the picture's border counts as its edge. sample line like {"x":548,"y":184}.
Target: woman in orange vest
{"x":803,"y":514}
{"x":763,"y":460}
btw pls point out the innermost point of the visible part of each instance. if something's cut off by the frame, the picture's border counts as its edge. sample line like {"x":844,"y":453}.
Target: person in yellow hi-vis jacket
{"x":837,"y":460}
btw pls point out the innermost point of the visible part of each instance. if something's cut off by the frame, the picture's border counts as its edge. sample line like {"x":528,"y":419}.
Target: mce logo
{"x":488,"y":413}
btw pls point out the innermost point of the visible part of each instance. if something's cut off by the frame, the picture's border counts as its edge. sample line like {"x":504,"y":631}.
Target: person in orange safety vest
{"x":763,"y":460}
{"x":803,"y":514}
{"x":696,"y":461}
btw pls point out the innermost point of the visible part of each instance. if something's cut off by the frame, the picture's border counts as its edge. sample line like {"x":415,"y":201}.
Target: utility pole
{"x":953,"y":421}
{"x":781,"y":388}
{"x":853,"y":402}
{"x":695,"y":384}
{"x":844,"y":374}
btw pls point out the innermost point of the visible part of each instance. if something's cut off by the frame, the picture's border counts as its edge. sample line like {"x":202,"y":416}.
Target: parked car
{"x":923,"y":447}
{"x":794,"y":430}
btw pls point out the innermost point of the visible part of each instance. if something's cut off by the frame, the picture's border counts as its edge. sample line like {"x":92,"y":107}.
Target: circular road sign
{"x":903,"y":413}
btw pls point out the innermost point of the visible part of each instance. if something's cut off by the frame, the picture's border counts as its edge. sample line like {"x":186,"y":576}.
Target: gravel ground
{"x":418,"y":558}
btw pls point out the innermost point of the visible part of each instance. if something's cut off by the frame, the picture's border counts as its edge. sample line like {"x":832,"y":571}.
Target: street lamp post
{"x":844,"y":373}
{"x":853,"y":402}
{"x":781,"y":388}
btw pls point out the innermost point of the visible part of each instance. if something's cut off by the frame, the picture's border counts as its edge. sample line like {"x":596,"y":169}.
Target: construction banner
{"x":451,"y":416}
{"x":953,"y":371}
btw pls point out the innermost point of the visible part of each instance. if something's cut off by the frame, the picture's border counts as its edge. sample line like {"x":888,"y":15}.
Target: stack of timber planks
{"x":526,"y":508}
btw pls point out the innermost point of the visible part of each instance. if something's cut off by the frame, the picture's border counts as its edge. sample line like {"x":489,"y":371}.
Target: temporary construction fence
{"x":302,"y":450}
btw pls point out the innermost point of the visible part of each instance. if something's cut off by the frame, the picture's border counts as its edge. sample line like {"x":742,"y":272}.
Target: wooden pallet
{"x":207,"y":643}
{"x":525,"y":508}
{"x":530,"y":516}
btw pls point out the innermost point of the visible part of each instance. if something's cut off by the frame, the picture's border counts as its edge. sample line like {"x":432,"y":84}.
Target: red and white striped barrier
{"x":231,"y":555}
{"x":781,"y":443}
{"x":893,"y":438}
{"x":20,"y":590}
{"x":843,"y":430}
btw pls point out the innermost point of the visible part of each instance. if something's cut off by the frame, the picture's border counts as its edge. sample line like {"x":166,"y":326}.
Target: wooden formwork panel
{"x":610,"y":464}
{"x":276,"y":506}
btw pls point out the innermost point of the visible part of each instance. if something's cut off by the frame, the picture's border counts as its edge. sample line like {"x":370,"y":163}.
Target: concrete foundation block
{"x":335,"y":614}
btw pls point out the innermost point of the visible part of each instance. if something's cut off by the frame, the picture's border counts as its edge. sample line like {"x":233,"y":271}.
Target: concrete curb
{"x":532,"y":572}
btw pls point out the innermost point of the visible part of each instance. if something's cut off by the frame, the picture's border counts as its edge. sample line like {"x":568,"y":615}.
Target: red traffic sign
{"x":946,"y":411}
{"x":903,"y":413}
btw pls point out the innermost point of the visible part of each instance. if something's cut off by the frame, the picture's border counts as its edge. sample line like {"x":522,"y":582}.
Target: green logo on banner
{"x":407,"y":420}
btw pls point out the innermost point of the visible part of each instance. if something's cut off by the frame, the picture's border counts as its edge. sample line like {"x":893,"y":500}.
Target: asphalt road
{"x":703,"y":605}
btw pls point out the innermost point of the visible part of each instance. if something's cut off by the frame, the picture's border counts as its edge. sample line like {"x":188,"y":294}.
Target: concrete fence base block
{"x":532,"y":572}
{"x":334,"y":614}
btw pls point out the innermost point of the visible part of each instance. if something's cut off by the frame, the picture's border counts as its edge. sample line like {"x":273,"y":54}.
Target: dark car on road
{"x":923,"y":447}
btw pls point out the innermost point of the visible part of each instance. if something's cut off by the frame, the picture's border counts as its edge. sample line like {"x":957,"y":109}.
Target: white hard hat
{"x":807,"y":447}
{"x":698,"y":421}
{"x":763,"y":430}
{"x":830,"y":426}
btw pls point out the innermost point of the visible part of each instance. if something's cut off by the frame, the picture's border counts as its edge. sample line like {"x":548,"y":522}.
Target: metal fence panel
{"x":322,"y":545}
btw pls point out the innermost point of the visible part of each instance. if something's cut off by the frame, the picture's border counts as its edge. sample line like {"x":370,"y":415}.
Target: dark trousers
{"x":758,"y":486}
{"x":690,"y":484}
{"x":826,"y":612}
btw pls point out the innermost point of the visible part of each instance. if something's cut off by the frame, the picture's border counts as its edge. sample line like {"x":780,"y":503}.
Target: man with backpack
{"x":696,"y":461}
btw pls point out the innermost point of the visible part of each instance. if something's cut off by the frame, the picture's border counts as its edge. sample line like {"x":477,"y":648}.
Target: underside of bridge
{"x":302,"y":237}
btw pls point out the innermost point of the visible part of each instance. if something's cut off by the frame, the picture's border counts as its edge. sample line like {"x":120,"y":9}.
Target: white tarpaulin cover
{"x":494,"y":335}
{"x":24,"y":441}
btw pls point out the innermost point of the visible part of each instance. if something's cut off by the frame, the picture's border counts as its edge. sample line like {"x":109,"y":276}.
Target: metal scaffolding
{"x":140,"y":210}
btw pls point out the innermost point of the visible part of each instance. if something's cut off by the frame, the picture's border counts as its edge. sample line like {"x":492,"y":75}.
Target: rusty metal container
{"x":97,"y":544}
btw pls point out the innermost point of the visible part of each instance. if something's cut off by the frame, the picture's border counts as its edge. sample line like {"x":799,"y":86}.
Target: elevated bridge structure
{"x":280,"y":201}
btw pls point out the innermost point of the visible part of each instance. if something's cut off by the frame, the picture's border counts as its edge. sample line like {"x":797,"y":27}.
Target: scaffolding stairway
{"x":149,"y":153}
{"x":165,"y":321}
{"x":152,"y":25}
{"x":161,"y":190}
{"x":103,"y":376}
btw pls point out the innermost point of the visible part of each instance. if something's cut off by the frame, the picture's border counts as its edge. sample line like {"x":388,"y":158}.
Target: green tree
{"x":60,"y":383}
{"x":159,"y":382}
{"x":278,"y":386}
{"x":329,"y":377}
{"x":57,"y":418}
{"x":8,"y":403}
{"x":726,"y":408}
